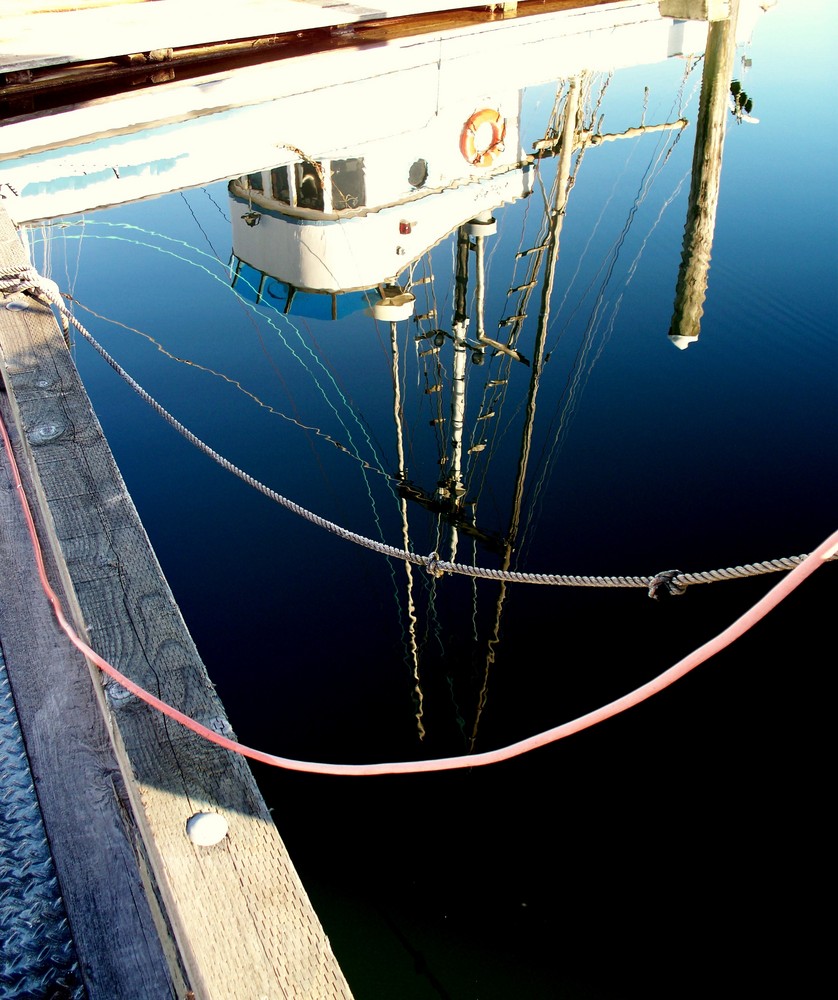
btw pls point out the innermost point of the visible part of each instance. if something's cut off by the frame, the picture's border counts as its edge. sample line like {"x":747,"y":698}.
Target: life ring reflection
{"x":481,"y":141}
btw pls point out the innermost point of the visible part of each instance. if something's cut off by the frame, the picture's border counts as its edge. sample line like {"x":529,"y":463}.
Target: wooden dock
{"x":35,"y":34}
{"x":152,"y":914}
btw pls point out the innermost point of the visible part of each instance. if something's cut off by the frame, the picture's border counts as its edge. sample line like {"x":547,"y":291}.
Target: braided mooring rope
{"x":674,"y":582}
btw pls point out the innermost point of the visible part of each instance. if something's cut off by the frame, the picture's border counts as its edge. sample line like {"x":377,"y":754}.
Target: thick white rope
{"x":674,"y":582}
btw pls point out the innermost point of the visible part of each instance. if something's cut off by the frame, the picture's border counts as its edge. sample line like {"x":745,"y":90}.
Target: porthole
{"x":418,"y":174}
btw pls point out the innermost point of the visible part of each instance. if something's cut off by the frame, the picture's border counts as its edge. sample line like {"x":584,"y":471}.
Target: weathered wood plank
{"x":54,"y":38}
{"x":241,"y":918}
{"x":91,"y":831}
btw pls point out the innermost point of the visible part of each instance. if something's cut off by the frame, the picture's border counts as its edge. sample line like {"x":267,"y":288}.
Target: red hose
{"x":790,"y":582}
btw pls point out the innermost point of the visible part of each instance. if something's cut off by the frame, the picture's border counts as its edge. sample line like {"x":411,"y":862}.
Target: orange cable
{"x":826,"y":550}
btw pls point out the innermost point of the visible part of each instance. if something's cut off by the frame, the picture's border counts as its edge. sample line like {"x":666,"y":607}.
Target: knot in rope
{"x":27,"y":279}
{"x":669,"y":582}
{"x":432,"y":565}
{"x":673,"y":582}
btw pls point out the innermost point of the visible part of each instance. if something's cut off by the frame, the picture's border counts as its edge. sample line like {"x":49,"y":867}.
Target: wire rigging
{"x":28,"y":280}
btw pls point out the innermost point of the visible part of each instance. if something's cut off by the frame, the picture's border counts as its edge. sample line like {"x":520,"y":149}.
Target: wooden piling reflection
{"x":691,"y":287}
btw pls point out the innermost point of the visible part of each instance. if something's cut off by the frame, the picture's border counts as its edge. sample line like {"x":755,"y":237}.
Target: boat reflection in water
{"x":374,"y":192}
{"x":327,"y":235}
{"x":450,"y":257}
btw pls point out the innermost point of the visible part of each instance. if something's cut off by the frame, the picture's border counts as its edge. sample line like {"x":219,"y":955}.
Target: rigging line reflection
{"x":309,"y":428}
{"x":594,"y":339}
{"x":345,"y":392}
{"x":376,"y":461}
{"x":615,"y":311}
{"x":412,"y":649}
{"x":47,"y":249}
{"x":595,"y":229}
{"x":203,"y":231}
{"x":580,"y":260}
{"x":49,"y":263}
{"x":272,"y":362}
{"x":376,"y":516}
{"x":557,"y":216}
{"x":583,"y":366}
{"x":825,"y":551}
{"x":212,"y":200}
{"x":680,"y":123}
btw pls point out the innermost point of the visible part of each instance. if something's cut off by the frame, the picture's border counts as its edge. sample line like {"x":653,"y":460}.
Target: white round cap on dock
{"x":206,"y":829}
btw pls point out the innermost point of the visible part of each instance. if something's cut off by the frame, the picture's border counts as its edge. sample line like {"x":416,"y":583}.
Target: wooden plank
{"x":241,"y":918}
{"x":54,"y":38}
{"x":93,"y":838}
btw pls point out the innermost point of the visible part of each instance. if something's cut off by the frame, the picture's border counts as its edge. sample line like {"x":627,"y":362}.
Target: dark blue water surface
{"x":670,"y":852}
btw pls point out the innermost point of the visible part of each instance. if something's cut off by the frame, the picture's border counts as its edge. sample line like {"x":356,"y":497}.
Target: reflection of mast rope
{"x":433,"y":383}
{"x":583,"y":363}
{"x":285,"y":342}
{"x":606,"y":337}
{"x":651,"y":174}
{"x":353,"y":454}
{"x":353,"y":449}
{"x":588,"y":353}
{"x":495,"y":389}
{"x":672,"y":581}
{"x":409,"y":639}
{"x":236,"y":385}
{"x":369,"y":433}
{"x":200,"y":227}
{"x":221,"y":211}
{"x":582,"y":257}
{"x":656,"y":165}
{"x":742,"y":624}
{"x":550,"y":221}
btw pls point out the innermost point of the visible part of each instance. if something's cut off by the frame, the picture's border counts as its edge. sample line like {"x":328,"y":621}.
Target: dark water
{"x":670,"y":852}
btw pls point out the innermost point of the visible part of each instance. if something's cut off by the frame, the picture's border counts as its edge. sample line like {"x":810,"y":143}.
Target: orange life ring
{"x":484,"y":154}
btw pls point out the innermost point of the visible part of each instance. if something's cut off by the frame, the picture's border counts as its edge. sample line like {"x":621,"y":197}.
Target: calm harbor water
{"x":667,"y":852}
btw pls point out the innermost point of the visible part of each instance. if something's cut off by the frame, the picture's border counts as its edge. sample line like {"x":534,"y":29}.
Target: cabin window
{"x":418,"y":174}
{"x":309,"y":188}
{"x":280,"y":185}
{"x":254,"y":182}
{"x":348,"y":189}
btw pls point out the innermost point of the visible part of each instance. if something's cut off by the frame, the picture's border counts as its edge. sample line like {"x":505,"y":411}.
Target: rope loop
{"x":432,"y":565}
{"x":28,"y":280}
{"x":669,"y":582}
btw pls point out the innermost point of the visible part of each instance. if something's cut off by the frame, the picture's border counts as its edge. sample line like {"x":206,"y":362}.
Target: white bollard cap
{"x":206,"y":829}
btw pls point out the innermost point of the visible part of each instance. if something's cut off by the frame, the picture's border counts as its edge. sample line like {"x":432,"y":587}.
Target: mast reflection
{"x":356,"y":245}
{"x":337,"y":212}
